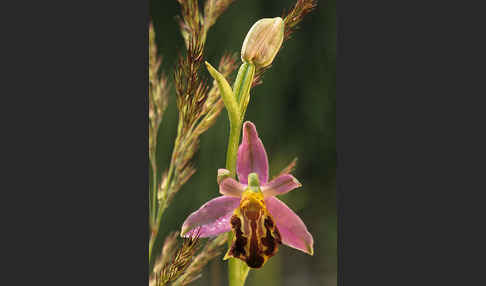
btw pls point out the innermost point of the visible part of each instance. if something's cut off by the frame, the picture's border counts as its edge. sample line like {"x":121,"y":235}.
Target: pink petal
{"x":280,"y":185}
{"x":212,"y":218}
{"x":252,"y":157}
{"x":230,"y":187}
{"x":292,"y":229}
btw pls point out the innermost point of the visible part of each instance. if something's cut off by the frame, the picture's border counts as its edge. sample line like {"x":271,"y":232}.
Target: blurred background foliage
{"x":294,"y":111}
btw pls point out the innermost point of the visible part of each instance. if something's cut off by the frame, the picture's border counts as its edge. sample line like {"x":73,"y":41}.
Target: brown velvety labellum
{"x":256,"y":237}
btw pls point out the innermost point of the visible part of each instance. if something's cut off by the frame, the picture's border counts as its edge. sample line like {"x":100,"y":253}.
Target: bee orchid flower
{"x":248,"y":207}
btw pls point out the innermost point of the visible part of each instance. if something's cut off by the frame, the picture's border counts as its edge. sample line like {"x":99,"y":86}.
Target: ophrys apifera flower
{"x":260,"y":222}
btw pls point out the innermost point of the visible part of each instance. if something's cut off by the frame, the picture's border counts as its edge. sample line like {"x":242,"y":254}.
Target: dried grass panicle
{"x":211,"y":250}
{"x":295,"y":16}
{"x":190,"y":89}
{"x":213,"y":9}
{"x":188,"y":138}
{"x":171,"y":267}
{"x":190,"y":22}
{"x":158,"y":91}
{"x":196,"y":113}
{"x":198,"y":105}
{"x":168,"y":250}
{"x":291,"y":21}
{"x":158,"y":99}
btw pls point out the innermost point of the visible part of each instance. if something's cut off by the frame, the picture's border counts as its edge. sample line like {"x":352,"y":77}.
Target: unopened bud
{"x":263,"y":41}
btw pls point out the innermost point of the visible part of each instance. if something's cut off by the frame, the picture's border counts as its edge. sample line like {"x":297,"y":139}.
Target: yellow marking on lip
{"x":256,"y":237}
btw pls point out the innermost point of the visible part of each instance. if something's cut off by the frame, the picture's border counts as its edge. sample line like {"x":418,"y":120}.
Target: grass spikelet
{"x":213,"y":9}
{"x":158,"y":100}
{"x":211,"y":250}
{"x":295,"y":16}
{"x":175,"y":262}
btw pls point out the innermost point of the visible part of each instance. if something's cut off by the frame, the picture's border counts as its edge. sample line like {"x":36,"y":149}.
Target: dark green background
{"x":294,"y":111}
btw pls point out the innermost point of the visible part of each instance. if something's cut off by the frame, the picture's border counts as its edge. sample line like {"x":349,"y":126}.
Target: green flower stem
{"x":236,"y":101}
{"x":232,"y":152}
{"x":237,"y":269}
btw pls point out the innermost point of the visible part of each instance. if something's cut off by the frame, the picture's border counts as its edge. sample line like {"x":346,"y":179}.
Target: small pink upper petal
{"x":280,"y":185}
{"x":252,"y":157}
{"x":231,"y":187}
{"x":212,"y":218}
{"x":292,"y":229}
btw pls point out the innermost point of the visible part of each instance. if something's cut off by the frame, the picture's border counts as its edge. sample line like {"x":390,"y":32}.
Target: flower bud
{"x":263,"y":42}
